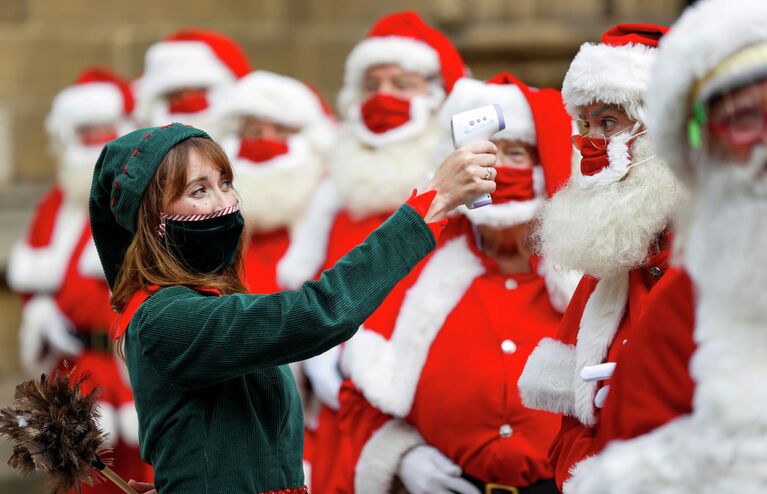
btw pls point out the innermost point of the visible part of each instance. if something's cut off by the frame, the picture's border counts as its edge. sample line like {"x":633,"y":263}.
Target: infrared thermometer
{"x":477,"y":124}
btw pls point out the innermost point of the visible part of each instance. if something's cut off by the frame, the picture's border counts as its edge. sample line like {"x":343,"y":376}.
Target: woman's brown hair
{"x":149,"y":260}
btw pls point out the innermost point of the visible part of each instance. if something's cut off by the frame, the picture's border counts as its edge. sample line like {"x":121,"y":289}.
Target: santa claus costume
{"x":611,"y":222}
{"x":67,"y":314}
{"x":183,"y":77}
{"x":714,"y":55}
{"x":385,"y":148}
{"x":432,"y":392}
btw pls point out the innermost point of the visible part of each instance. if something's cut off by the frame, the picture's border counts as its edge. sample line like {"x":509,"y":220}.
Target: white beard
{"x":606,"y":230}
{"x":511,"y":213}
{"x":724,"y":242}
{"x":75,"y":172}
{"x":275,"y":194}
{"x":372,"y":180}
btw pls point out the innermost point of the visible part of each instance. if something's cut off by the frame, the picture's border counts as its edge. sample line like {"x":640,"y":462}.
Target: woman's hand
{"x":466,"y":174}
{"x":142,"y":487}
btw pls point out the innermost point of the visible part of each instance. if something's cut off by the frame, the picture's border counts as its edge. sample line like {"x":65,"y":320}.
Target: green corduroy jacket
{"x":218,"y":408}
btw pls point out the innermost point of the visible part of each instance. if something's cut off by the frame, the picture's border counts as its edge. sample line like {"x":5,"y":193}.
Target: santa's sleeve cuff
{"x":421,"y":204}
{"x":546,"y":383}
{"x":379,"y":461}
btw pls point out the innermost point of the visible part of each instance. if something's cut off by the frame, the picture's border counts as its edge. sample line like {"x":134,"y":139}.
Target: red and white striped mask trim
{"x":194,"y":217}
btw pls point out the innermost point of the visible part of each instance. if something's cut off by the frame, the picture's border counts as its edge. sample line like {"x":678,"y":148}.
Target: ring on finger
{"x":488,"y":174}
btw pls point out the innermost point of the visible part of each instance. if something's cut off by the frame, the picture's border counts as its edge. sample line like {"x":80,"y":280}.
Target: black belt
{"x":98,"y":341}
{"x":542,"y":487}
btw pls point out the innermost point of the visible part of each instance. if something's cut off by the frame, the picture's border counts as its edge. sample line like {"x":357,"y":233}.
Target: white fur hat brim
{"x":617,"y":75}
{"x":409,"y":53}
{"x":91,"y":103}
{"x":705,"y":34}
{"x":172,"y":65}
{"x":273,"y":97}
{"x":470,"y":93}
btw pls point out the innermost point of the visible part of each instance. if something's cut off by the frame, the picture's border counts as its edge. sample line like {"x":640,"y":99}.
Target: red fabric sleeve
{"x":652,"y":383}
{"x":573,"y":443}
{"x":44,"y":221}
{"x":421,"y":203}
{"x":359,"y":420}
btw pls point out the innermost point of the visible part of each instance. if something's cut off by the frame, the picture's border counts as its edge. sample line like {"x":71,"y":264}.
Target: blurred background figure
{"x":432,"y":399}
{"x":184,"y":74}
{"x":66,"y":314}
{"x":395,"y":81}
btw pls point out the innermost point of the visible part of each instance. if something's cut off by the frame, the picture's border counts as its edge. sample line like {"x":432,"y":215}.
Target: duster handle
{"x":118,"y":481}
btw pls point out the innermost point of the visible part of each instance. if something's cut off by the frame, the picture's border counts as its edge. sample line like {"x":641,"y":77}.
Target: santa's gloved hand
{"x":42,"y":323}
{"x":322,"y":371}
{"x":424,"y":470}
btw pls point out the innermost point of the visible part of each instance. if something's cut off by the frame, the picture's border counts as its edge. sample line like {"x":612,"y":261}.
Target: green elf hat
{"x":122,"y":174}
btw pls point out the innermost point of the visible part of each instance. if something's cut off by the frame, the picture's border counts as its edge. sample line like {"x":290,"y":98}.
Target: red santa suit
{"x":571,"y":373}
{"x":698,"y":364}
{"x":67,"y":314}
{"x":184,"y":76}
{"x":385,"y":149}
{"x":437,"y":364}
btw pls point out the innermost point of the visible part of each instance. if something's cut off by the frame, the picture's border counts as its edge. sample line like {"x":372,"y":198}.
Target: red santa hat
{"x":404,"y":39}
{"x":615,"y":71}
{"x":714,"y":46}
{"x":98,"y":96}
{"x":276,"y":98}
{"x":191,"y":58}
{"x":535,"y":116}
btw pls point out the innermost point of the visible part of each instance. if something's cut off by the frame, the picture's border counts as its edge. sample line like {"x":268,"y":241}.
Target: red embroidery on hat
{"x":114,"y":201}
{"x":295,"y":490}
{"x":135,"y":152}
{"x":117,"y":184}
{"x":146,"y":136}
{"x":125,"y":169}
{"x":169,"y":125}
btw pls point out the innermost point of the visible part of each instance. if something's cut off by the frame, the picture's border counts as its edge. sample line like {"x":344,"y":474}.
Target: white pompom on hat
{"x":706,"y":35}
{"x":98,"y":96}
{"x":614,"y":71}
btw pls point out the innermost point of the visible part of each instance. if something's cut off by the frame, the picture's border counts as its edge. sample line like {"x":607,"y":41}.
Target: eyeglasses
{"x":598,"y":141}
{"x":743,"y":127}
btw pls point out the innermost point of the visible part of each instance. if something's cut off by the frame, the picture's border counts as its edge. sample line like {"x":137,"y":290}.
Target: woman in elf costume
{"x":218,"y":409}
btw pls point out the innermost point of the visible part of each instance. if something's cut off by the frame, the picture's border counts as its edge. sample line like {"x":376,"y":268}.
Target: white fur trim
{"x":546,"y":382}
{"x":309,"y":238}
{"x":90,"y":264}
{"x":471,"y":93}
{"x":107,"y":422}
{"x":704,"y":35}
{"x":560,"y":284}
{"x":40,"y":320}
{"x":603,"y":73}
{"x":409,"y":53}
{"x":42,"y":269}
{"x":387,"y":371}
{"x":379,"y":461}
{"x":599,"y":323}
{"x":127,"y":420}
{"x":273,"y":97}
{"x":91,"y":103}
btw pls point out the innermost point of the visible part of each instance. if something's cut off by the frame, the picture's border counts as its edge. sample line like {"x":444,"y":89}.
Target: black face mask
{"x":206,"y":246}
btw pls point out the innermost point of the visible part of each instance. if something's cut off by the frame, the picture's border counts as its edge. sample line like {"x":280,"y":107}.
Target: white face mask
{"x":619,"y":158}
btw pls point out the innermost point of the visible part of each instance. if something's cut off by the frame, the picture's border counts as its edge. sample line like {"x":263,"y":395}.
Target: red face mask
{"x":260,"y":150}
{"x":513,"y":184}
{"x":382,"y":112}
{"x":593,"y":159}
{"x":189,"y":101}
{"x":94,"y":138}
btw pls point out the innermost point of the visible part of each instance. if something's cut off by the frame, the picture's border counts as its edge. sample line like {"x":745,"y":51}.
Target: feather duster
{"x":54,"y":429}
